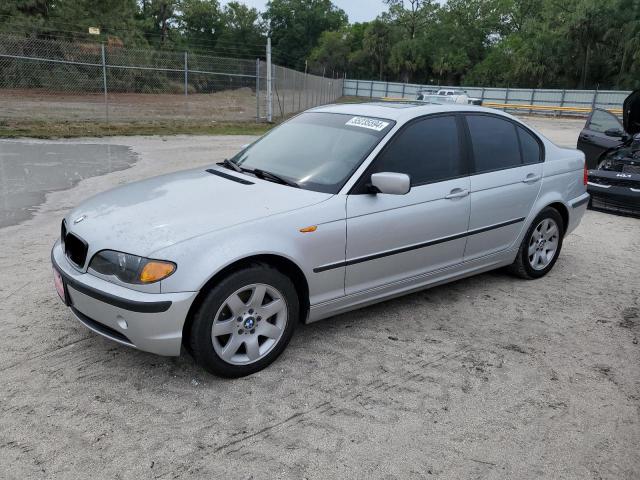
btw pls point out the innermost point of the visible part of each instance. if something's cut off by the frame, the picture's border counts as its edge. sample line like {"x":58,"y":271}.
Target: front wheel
{"x":244,"y":322}
{"x":540,"y":246}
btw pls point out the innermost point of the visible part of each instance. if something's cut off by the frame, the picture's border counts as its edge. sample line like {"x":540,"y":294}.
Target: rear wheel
{"x":244,"y":322}
{"x":540,"y":246}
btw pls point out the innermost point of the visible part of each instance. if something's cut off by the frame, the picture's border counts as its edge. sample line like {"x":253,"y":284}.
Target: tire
{"x":539,"y":238}
{"x":244,"y":322}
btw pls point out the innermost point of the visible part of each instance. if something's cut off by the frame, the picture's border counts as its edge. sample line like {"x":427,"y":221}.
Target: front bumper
{"x":147,"y":321}
{"x":606,"y":195}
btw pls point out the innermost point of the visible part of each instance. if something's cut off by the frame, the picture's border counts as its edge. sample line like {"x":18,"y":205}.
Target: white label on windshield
{"x":370,"y":123}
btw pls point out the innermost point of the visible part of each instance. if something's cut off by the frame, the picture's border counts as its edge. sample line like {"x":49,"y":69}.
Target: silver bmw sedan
{"x":340,"y":207}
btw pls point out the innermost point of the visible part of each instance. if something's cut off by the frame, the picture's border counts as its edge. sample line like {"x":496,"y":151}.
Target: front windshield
{"x":318,"y":151}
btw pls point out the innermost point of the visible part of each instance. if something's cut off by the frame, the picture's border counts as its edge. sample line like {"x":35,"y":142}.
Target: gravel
{"x":488,"y":377}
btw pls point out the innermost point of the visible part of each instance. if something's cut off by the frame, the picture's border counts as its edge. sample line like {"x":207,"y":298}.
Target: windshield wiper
{"x":230,"y":165}
{"x":265,"y":175}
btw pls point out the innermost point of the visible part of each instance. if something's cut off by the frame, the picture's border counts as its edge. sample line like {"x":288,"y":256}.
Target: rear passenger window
{"x":601,"y":121}
{"x":530,"y":147}
{"x":427,"y":150}
{"x":494,"y":142}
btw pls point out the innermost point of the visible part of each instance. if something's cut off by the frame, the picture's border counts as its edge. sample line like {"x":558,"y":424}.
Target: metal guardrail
{"x":517,"y":106}
{"x":548,"y":108}
{"x":558,"y":101}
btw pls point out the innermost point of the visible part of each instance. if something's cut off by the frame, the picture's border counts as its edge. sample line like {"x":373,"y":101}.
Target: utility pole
{"x":269,"y":83}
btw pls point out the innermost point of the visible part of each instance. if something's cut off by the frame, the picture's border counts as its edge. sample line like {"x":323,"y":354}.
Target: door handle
{"x":531,"y":178}
{"x":457,"y":193}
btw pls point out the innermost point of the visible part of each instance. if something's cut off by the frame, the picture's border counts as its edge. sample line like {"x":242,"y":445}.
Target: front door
{"x":505,"y":181}
{"x":395,"y":237}
{"x":593,"y":140}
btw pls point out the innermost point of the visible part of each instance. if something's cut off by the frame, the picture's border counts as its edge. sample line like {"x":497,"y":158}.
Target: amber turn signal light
{"x":310,"y":229}
{"x":155,"y":271}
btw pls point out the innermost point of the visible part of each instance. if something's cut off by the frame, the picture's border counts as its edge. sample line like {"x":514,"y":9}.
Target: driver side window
{"x":601,"y":121}
{"x":428,"y":150}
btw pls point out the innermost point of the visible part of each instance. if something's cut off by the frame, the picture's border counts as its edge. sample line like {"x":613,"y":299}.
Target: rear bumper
{"x":147,"y":321}
{"x":621,"y":199}
{"x":578,"y":207}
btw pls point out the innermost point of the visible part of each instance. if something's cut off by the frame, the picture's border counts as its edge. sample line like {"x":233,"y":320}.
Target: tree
{"x":295,"y":27}
{"x":406,"y":58}
{"x":200,"y":21}
{"x":411,"y":15}
{"x":243,"y":31}
{"x":376,"y":43}
{"x":332,"y":52}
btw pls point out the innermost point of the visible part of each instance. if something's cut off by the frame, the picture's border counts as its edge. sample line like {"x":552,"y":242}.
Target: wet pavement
{"x":31,"y":169}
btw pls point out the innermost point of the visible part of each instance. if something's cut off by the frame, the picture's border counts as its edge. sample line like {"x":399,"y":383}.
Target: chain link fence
{"x":58,"y":81}
{"x":522,"y":100}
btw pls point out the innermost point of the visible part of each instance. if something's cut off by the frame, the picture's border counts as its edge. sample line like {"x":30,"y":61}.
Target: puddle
{"x":29,"y":170}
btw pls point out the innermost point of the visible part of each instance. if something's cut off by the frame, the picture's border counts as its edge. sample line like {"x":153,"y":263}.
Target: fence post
{"x":257,"y":90}
{"x":561,"y":100}
{"x":533,"y":96}
{"x":104,"y":84}
{"x":186,"y":75}
{"x":299,"y":91}
{"x":595,"y":96}
{"x":371,"y":90}
{"x":283,"y":88}
{"x":357,"y":86}
{"x":404,"y":86}
{"x":269,"y":83}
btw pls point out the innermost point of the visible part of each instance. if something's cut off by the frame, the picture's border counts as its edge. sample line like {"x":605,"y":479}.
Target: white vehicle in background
{"x":460,"y":96}
{"x":451,"y":95}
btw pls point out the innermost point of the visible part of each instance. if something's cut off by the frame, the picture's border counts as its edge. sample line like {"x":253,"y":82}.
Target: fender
{"x":201,"y":258}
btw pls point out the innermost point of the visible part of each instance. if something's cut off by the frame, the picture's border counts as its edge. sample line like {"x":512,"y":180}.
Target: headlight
{"x":131,"y":268}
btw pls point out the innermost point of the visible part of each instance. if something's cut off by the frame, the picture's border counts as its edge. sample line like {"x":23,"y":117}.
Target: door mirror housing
{"x":390,"y":183}
{"x":614,"y":132}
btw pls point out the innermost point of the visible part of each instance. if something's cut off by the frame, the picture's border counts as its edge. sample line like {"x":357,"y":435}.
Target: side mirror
{"x":391,"y":183}
{"x":614,"y":132}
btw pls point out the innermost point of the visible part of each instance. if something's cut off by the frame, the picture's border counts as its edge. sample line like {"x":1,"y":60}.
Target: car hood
{"x":143,"y":217}
{"x":631,"y":113}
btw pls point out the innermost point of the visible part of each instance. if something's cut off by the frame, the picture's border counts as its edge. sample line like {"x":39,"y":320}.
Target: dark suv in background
{"x":612,"y":150}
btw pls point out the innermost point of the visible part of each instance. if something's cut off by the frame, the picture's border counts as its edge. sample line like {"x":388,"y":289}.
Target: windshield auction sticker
{"x":370,"y":123}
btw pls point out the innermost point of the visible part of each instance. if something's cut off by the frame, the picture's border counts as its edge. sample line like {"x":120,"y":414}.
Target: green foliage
{"x":296,"y":26}
{"x":517,"y":43}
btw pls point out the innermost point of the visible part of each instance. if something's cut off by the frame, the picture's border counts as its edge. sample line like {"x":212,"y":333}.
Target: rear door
{"x":593,"y":140}
{"x":506,"y":175}
{"x":396,"y":237}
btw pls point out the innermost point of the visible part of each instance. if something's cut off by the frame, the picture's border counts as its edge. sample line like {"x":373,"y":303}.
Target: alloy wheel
{"x":543,"y":244}
{"x":249,"y":324}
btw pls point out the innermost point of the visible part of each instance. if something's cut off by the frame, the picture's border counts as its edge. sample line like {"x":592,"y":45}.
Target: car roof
{"x":400,"y":111}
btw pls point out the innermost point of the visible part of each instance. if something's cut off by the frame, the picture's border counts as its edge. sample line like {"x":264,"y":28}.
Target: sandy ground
{"x":489,"y":377}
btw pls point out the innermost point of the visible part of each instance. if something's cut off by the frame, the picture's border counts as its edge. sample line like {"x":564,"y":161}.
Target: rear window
{"x":494,"y":143}
{"x":531,"y":152}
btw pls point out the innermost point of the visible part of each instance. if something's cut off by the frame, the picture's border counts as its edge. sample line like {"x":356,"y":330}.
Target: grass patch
{"x":18,"y":129}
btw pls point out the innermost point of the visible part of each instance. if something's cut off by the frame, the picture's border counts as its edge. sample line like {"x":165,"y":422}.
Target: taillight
{"x":585,"y":178}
